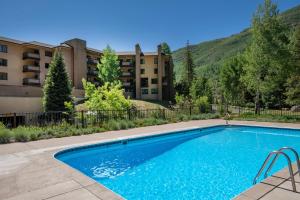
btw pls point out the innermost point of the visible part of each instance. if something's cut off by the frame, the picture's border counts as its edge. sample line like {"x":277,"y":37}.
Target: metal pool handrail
{"x":276,"y":157}
{"x":289,"y":166}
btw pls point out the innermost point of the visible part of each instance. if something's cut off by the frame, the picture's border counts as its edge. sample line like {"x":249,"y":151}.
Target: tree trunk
{"x":257,"y":104}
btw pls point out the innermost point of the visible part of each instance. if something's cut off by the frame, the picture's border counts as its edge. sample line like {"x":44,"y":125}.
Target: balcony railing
{"x":31,"y":81}
{"x":31,"y":68}
{"x":92,"y":72}
{"x":92,"y":61}
{"x":126,"y":84}
{"x":126,"y":74}
{"x":126,"y":64}
{"x":29,"y":55}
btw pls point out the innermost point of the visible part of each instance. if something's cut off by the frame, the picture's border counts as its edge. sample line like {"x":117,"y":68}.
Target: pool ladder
{"x":277,"y":154}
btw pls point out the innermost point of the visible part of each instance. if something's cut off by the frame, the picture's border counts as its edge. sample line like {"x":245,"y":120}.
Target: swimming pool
{"x":204,"y":163}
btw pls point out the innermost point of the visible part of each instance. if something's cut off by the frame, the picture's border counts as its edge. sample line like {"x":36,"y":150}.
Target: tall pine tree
{"x":57,"y":88}
{"x":188,"y":67}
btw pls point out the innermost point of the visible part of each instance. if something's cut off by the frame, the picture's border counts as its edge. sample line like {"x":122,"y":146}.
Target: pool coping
{"x":75,"y":185}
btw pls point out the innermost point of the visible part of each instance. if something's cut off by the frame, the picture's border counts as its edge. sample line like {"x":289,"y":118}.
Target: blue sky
{"x":123,"y":23}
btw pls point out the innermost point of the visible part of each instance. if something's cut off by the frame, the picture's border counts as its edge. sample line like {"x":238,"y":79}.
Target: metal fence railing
{"x":92,"y":117}
{"x":84,"y":118}
{"x":238,"y":110}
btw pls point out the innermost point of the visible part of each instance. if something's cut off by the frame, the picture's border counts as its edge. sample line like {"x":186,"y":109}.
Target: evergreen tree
{"x":188,"y":67}
{"x":109,"y":66}
{"x":268,"y":56}
{"x":57,"y":88}
{"x":165,"y":48}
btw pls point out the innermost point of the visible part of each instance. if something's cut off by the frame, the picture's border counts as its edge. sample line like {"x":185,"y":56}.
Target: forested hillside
{"x":211,"y":54}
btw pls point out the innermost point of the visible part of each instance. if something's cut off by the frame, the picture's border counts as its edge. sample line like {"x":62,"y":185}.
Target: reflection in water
{"x":112,"y":163}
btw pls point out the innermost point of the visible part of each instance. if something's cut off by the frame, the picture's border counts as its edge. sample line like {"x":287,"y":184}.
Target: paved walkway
{"x":29,"y":171}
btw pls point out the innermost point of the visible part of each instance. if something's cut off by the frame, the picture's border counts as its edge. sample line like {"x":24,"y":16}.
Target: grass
{"x":32,"y":133}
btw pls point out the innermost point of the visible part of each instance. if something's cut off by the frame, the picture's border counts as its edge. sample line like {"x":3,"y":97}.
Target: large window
{"x":3,"y":48}
{"x":3,"y":62}
{"x":142,"y":61}
{"x":144,"y":82}
{"x":154,"y":91}
{"x":145,"y":91}
{"x":48,"y":53}
{"x":154,"y":81}
{"x":3,"y":76}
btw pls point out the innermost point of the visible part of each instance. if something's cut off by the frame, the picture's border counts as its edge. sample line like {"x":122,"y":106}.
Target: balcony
{"x":126,"y":64}
{"x":31,"y":68}
{"x":92,"y":61}
{"x":126,"y":74}
{"x":29,"y":55}
{"x":92,"y":72}
{"x":31,"y":81}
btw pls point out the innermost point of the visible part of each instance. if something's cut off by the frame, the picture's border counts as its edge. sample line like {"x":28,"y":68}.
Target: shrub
{"x":5,"y":135}
{"x":203,"y":104}
{"x":123,"y":124}
{"x":21,"y":134}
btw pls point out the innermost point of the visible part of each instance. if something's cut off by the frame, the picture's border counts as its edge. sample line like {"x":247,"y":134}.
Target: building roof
{"x":149,"y":53}
{"x":29,"y":43}
{"x":125,"y":53}
{"x":39,"y":44}
{"x":94,"y":50}
{"x":121,"y":53}
{"x":11,"y":40}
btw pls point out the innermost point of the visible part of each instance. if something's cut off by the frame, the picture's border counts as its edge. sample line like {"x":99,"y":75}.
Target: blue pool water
{"x":211,"y":163}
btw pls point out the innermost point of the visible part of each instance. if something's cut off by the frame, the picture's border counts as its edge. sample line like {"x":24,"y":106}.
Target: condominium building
{"x":24,"y":65}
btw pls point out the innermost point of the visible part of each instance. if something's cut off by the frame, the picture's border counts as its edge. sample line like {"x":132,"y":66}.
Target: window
{"x":142,"y":61}
{"x":48,"y":53}
{"x":144,"y":82}
{"x":46,"y":65}
{"x":155,"y":60}
{"x":128,"y":60}
{"x":155,"y":71}
{"x":154,"y":91}
{"x":3,"y":62}
{"x":3,"y":76}
{"x":145,"y":91}
{"x":142,"y":71}
{"x":3,"y":48}
{"x":154,"y":81}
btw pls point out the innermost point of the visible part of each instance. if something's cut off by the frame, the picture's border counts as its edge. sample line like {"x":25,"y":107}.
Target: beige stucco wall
{"x":15,"y":64}
{"x":149,"y":67}
{"x":20,"y":104}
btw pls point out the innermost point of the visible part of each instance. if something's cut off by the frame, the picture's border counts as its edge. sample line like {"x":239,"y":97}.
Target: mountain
{"x":212,"y":53}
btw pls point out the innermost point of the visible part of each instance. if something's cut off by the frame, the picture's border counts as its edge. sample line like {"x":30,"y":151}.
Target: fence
{"x":85,"y":118}
{"x":237,"y":110}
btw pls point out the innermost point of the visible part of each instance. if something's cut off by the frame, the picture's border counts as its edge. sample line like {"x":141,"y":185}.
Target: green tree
{"x":267,"y":56}
{"x":109,"y":66}
{"x":165,"y":48}
{"x":201,"y":87}
{"x":293,"y":83}
{"x":231,"y":82}
{"x":57,"y":88}
{"x":107,"y":97}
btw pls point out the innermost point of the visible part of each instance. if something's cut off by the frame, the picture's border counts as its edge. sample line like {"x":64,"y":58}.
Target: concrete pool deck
{"x":29,"y":171}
